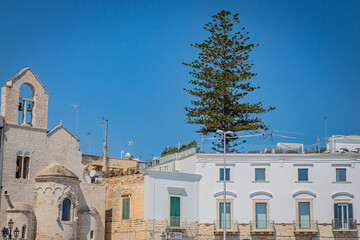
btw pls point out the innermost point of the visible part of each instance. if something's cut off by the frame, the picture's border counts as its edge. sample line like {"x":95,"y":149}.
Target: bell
{"x":29,"y":107}
{"x":20,"y":106}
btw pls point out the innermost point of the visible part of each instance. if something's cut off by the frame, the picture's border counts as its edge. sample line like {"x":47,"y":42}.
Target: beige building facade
{"x":42,"y":183}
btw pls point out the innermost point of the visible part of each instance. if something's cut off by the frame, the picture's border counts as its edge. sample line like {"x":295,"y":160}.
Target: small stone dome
{"x":19,"y":207}
{"x":56,"y":171}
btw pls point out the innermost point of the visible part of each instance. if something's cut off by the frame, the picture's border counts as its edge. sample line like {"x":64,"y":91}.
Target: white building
{"x":343,"y":144}
{"x":277,"y":195}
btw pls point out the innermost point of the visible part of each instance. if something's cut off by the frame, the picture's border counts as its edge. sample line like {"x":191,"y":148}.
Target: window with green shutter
{"x":175,"y":211}
{"x":126,"y":208}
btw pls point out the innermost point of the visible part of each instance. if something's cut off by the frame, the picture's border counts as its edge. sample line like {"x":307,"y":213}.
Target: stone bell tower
{"x":12,"y":105}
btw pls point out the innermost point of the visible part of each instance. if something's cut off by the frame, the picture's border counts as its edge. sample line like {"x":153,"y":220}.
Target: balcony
{"x":344,"y":225}
{"x":305,"y":227}
{"x":265,"y":227}
{"x":177,"y":223}
{"x":232,"y":227}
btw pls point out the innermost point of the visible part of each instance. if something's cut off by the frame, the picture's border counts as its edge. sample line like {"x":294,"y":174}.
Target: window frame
{"x":307,"y":175}
{"x":62,"y":210}
{"x":123,"y":200}
{"x":218,"y":202}
{"x":220,"y":175}
{"x":336,"y":175}
{"x":297,"y":209}
{"x":169,"y":208}
{"x":22,"y":169}
{"x":260,"y":180}
{"x":267,"y":202}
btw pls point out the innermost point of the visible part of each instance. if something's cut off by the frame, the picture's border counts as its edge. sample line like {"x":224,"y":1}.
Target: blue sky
{"x":122,"y":60}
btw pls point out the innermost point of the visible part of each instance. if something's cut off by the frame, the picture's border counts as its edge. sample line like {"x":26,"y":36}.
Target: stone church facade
{"x":43,"y":189}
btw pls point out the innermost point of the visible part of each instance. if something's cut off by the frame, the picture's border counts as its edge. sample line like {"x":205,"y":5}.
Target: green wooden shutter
{"x":261,"y":217}
{"x":125,"y":208}
{"x":175,"y":211}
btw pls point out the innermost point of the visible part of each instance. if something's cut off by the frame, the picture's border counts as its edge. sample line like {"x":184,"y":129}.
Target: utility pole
{"x":325,"y":119}
{"x":105,"y":158}
{"x":89,"y":134}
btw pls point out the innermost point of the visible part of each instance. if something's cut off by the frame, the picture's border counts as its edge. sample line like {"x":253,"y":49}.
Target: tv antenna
{"x":89,"y":135}
{"x":76,"y":106}
{"x":274,"y":133}
{"x":203,"y":140}
{"x":325,"y":120}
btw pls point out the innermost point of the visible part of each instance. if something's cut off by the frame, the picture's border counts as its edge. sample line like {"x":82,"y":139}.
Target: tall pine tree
{"x":221,"y":79}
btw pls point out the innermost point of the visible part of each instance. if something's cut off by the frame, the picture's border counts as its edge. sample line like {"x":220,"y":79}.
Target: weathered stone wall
{"x":22,"y":141}
{"x":116,"y":163}
{"x":282,"y":231}
{"x":125,"y":186}
{"x":93,"y":196}
{"x":43,"y":148}
{"x":119,"y":187}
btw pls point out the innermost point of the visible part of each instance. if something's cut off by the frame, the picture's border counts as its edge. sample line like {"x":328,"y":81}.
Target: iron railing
{"x":344,"y":224}
{"x":231,"y":226}
{"x":262,"y":226}
{"x":305,"y":226}
{"x":177,"y":222}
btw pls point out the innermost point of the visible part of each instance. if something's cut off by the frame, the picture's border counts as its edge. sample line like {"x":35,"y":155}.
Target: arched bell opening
{"x":26,"y":104}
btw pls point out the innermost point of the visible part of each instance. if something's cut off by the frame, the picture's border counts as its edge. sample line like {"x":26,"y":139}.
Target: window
{"x":22,"y":167}
{"x":26,"y":167}
{"x":341,"y":175}
{"x":92,"y":234}
{"x":343,"y":216}
{"x":23,"y":232}
{"x":260,"y":174}
{"x":227,"y":174}
{"x":261,"y":218}
{"x":18,"y":167}
{"x":126,"y":208}
{"x":303,"y":175}
{"x":66,"y":207}
{"x":304,"y":215}
{"x":227,"y":221}
{"x":175,"y":211}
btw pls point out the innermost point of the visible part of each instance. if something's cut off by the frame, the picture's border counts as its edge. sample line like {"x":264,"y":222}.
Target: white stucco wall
{"x":281,"y":183}
{"x":160,"y":185}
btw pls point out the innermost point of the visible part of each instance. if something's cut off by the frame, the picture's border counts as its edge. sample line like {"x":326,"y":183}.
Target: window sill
{"x":258,"y":181}
{"x":341,"y":182}
{"x":226,"y":181}
{"x":303,"y":181}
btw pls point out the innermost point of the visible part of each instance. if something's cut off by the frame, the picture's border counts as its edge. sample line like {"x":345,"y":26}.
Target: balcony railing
{"x":306,"y":226}
{"x":262,"y":227}
{"x":231,"y":226}
{"x":344,"y":224}
{"x":177,"y":222}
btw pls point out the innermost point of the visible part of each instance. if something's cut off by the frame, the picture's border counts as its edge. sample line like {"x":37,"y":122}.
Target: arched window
{"x":23,"y":232}
{"x":18,"y":167}
{"x":22,"y":167}
{"x":66,"y":207}
{"x":26,"y":167}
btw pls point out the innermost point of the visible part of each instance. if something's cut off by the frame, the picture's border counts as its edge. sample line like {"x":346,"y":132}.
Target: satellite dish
{"x":92,"y":173}
{"x":128,"y":156}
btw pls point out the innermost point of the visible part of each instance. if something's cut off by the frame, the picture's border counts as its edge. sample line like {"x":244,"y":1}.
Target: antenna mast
{"x":325,"y":119}
{"x":76,"y":106}
{"x":105,"y":158}
{"x":89,"y":134}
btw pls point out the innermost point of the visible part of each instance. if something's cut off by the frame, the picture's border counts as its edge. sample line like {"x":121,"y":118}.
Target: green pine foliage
{"x":221,"y":79}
